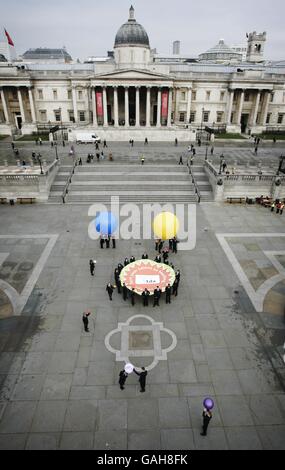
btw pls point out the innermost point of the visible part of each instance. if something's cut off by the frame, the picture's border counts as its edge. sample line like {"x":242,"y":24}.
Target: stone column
{"x":158,"y":123}
{"x":169,"y":107}
{"x":95,"y":122}
{"x":188,"y":105}
{"x":21,"y":105}
{"x":255,"y":110}
{"x":148,"y":106}
{"x":231,"y":98}
{"x":105,"y":106}
{"x":240,"y":105}
{"x":176,"y":112}
{"x":137,"y":106}
{"x":74,"y":102}
{"x":116,"y":112}
{"x":34,"y":119}
{"x":265,"y":107}
{"x":126,"y":106}
{"x":5,"y":109}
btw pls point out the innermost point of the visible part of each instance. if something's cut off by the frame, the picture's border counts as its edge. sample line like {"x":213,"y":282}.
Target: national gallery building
{"x":137,"y":93}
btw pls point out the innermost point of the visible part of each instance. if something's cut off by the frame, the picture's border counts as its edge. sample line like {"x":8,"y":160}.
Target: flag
{"x":9,"y":38}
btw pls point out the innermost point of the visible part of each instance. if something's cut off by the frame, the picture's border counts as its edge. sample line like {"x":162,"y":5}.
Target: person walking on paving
{"x":80,"y":161}
{"x":102,"y":241}
{"x":164,"y":255}
{"x":125,"y":292}
{"x":92,"y":263}
{"x":212,"y":150}
{"x":145,"y":296}
{"x":105,"y":144}
{"x":168,"y":294}
{"x":176,"y":142}
{"x":177,"y":275}
{"x":85,"y":320}
{"x":107,"y":240}
{"x":181,"y":160}
{"x":157,"y":259}
{"x":142,"y":378}
{"x":110,"y":290}
{"x":120,"y":267}
{"x":122,"y":379}
{"x":156,"y":296}
{"x":207,"y":416}
{"x":146,"y":141}
{"x":142,"y":160}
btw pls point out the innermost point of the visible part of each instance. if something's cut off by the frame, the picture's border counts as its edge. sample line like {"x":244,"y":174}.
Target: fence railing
{"x":197,"y":192}
{"x":65,"y":190}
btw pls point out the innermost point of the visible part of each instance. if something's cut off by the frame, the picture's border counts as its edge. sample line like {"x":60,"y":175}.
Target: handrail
{"x":197,"y":191}
{"x":65,"y":190}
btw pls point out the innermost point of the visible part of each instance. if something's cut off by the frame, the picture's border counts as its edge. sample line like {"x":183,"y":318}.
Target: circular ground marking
{"x":146,"y":273}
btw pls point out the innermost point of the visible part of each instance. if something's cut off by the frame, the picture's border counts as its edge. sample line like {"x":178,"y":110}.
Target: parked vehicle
{"x":87,"y":138}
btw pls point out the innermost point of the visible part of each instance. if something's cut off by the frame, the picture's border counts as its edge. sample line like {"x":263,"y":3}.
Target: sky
{"x":88,"y":27}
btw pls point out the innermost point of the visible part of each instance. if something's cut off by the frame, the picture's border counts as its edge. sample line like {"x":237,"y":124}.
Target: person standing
{"x":176,"y":142}
{"x":132,"y":259}
{"x":207,"y":416}
{"x":164,"y":255}
{"x":122,"y":379}
{"x":98,"y":156}
{"x":174,"y":245}
{"x":126,"y":262}
{"x":133,"y":296}
{"x":146,"y":141}
{"x":105,"y":144}
{"x":160,"y":246}
{"x":92,"y":266}
{"x":85,"y":320}
{"x":170,"y":243}
{"x":177,"y":275}
{"x":120,"y":267}
{"x":144,"y":256}
{"x":175,"y":288}
{"x":142,"y":378}
{"x":181,"y":160}
{"x":117,"y":280}
{"x":40,"y":141}
{"x":125,"y":292}
{"x":80,"y":161}
{"x":110,"y":290}
{"x":158,"y":259}
{"x":156,"y":296}
{"x":212,"y":150}
{"x":281,"y":208}
{"x":168,"y":294}
{"x":102,"y":241}
{"x":157,"y":240}
{"x":142,"y":160}
{"x":107,"y":240}
{"x":145,"y":296}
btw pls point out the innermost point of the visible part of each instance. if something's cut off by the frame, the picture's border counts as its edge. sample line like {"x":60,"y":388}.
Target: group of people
{"x":172,"y":245}
{"x":106,"y":239}
{"x":142,"y":378}
{"x":277,"y":204}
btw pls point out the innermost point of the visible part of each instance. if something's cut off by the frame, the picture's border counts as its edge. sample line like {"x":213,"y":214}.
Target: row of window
{"x":57,"y":115}
{"x":55,"y":95}
{"x":220,"y":117}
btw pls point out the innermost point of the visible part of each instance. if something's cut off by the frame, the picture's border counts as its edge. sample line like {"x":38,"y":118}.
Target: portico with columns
{"x":17,"y":107}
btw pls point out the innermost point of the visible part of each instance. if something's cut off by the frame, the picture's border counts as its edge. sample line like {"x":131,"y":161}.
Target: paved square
{"x":222,"y":336}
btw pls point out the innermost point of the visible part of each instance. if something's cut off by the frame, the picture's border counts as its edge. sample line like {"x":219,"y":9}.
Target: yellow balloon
{"x":165,"y":225}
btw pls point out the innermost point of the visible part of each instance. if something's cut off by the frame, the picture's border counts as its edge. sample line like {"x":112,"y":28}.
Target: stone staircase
{"x":59,"y":183}
{"x":132,"y":183}
{"x":203,"y":183}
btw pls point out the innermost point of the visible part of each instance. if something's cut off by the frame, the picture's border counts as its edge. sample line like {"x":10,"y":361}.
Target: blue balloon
{"x":106,"y":223}
{"x":208,"y":403}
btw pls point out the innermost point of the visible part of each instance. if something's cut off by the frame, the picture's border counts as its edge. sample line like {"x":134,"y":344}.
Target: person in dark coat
{"x":102,"y":241}
{"x":174,"y":245}
{"x":164,"y":255}
{"x":157,"y":241}
{"x":105,"y":144}
{"x":132,"y":259}
{"x":177,"y":275}
{"x":125,"y":292}
{"x":145,"y":296}
{"x":98,"y":156}
{"x":110,"y":290}
{"x":126,"y":262}
{"x":107,"y":240}
{"x":142,"y":378}
{"x":114,"y":242}
{"x":85,"y":320}
{"x":158,"y":259}
{"x":170,"y":242}
{"x":175,"y":288}
{"x":92,"y":266}
{"x":117,"y":280}
{"x":181,"y":160}
{"x":156,"y":296}
{"x":160,"y":245}
{"x":168,"y":294}
{"x":133,"y":296}
{"x":144,"y":256}
{"x":122,"y":379}
{"x":207,"y":416}
{"x":120,"y":267}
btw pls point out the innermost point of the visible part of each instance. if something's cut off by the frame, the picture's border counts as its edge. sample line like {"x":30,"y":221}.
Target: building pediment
{"x":133,"y":74}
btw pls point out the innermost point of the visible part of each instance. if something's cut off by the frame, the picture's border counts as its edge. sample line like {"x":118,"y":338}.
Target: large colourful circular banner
{"x":146,"y":273}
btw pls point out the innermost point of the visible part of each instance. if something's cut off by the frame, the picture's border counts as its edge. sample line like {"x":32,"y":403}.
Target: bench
{"x":23,"y":200}
{"x":235,"y":199}
{"x":3,"y":200}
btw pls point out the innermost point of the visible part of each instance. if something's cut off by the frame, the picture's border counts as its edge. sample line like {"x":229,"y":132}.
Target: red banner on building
{"x":99,"y":103}
{"x":164,"y":104}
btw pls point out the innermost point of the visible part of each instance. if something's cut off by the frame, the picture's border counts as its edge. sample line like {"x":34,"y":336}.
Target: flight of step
{"x":59,"y":183}
{"x":203,"y":183}
{"x":131,"y":182}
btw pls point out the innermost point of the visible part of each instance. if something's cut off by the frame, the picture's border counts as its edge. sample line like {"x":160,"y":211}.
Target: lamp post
{"x":40,"y":162}
{"x":221,"y":159}
{"x":206,"y":156}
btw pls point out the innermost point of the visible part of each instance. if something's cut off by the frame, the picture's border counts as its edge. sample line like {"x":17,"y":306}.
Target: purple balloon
{"x":208,"y":403}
